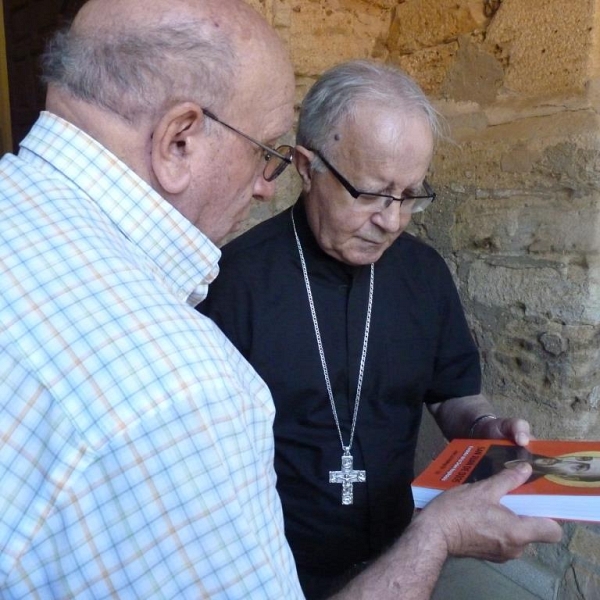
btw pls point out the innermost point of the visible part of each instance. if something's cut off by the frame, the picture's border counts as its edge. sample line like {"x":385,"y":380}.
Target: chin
{"x":365,"y":256}
{"x":360,"y":259}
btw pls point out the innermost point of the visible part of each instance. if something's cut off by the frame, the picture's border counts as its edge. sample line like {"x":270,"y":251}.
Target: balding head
{"x":137,"y":76}
{"x":136,"y":57}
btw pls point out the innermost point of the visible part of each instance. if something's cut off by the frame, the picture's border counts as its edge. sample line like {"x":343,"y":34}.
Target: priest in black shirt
{"x":353,"y":323}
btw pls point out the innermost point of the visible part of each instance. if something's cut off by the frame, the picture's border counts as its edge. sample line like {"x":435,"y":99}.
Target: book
{"x":564,"y":484}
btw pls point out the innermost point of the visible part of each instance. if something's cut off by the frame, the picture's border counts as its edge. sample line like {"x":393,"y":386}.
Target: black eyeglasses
{"x":374,"y":202}
{"x":277,"y":159}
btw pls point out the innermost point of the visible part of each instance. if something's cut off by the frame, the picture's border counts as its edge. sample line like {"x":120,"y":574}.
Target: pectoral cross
{"x":347,"y":476}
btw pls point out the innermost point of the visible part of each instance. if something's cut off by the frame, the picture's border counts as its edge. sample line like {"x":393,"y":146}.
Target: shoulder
{"x":414,"y":251}
{"x":251,"y":262}
{"x":262,"y":238}
{"x":411,"y":261}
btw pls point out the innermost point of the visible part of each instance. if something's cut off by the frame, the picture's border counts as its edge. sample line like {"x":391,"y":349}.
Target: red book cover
{"x":565,"y":479}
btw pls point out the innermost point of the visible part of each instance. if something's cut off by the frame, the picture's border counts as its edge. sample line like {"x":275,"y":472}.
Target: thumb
{"x":508,"y":479}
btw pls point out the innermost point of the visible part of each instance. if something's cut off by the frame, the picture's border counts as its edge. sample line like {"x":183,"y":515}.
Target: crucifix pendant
{"x":347,"y":476}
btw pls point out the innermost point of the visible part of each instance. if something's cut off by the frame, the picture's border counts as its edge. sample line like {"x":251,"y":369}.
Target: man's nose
{"x":392,"y":218}
{"x":263,"y":190}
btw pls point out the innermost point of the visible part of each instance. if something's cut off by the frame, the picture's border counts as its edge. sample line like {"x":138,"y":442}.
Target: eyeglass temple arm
{"x":347,"y":185}
{"x":266,"y":148}
{"x":356,"y":193}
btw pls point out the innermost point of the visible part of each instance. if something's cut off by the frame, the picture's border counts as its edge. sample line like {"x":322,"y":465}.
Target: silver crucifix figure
{"x":347,"y":476}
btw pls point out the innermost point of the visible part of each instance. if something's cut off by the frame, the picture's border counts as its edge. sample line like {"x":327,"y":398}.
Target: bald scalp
{"x":235,"y":17}
{"x":136,"y":58}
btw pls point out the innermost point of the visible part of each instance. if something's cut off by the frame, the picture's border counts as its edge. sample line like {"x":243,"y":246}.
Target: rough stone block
{"x":322,"y":34}
{"x":427,"y":23}
{"x":586,"y":543}
{"x":538,"y":580}
{"x":549,"y":290}
{"x":429,"y":66}
{"x":543,"y":45}
{"x":525,"y":222}
{"x":475,"y":75}
{"x":580,"y":583}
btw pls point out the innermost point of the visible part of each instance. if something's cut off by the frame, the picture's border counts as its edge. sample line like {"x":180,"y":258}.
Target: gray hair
{"x":136,"y":72}
{"x":340,"y":89}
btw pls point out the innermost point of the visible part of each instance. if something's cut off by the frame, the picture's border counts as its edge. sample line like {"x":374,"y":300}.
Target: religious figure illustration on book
{"x":578,"y":469}
{"x":564,"y":483}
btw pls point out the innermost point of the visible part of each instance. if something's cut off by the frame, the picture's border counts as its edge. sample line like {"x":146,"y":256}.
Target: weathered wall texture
{"x":518,"y":218}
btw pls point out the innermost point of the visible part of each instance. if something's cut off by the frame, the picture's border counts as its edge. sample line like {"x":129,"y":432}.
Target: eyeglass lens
{"x":276,"y":166}
{"x":369,"y":203}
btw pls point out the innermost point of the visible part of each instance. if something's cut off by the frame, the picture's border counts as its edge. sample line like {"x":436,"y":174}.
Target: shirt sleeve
{"x":457,"y":371}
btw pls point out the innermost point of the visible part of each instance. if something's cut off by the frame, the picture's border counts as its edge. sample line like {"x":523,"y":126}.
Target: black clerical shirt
{"x":420,"y":350}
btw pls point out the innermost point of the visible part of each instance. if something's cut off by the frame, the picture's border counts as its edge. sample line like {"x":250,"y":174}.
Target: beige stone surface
{"x":421,"y":24}
{"x":544,"y":45}
{"x":562,"y":147}
{"x":586,"y":542}
{"x":475,"y":76}
{"x":428,"y":66}
{"x":323,"y":33}
{"x":581,"y":583}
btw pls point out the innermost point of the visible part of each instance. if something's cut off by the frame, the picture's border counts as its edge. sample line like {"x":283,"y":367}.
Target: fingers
{"x":540,"y":530}
{"x":516,"y":430}
{"x":530,"y":528}
{"x":474,"y":523}
{"x":507,"y":480}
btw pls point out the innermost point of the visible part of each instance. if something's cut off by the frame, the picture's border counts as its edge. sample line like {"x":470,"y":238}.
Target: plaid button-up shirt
{"x":136,"y":446}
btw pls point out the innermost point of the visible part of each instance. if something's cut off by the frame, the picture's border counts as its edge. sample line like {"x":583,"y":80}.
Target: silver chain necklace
{"x":347,"y":476}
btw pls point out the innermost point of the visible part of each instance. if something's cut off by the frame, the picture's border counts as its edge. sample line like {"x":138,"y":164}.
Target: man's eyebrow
{"x":410,"y":189}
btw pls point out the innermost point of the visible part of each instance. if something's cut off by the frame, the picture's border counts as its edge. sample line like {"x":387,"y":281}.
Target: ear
{"x":176,"y":140}
{"x":302,"y":160}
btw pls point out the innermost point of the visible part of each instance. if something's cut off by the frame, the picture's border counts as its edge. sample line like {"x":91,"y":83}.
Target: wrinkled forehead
{"x":371,"y":135}
{"x":263,"y":92}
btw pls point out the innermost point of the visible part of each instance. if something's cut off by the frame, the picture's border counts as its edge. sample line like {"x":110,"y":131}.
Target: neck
{"x":129,"y":143}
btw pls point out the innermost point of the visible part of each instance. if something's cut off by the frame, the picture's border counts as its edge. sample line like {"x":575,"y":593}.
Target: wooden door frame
{"x":5,"y":123}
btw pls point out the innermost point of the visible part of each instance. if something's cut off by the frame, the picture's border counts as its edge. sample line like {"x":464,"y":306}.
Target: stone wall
{"x":518,"y":216}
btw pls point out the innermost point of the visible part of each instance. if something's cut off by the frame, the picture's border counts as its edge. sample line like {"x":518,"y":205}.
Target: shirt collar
{"x":183,"y":257}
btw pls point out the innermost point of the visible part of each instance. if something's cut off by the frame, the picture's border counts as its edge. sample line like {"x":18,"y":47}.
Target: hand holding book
{"x":564,"y":482}
{"x":464,"y":521}
{"x":474,"y":523}
{"x":475,"y":417}
{"x":490,"y":427}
